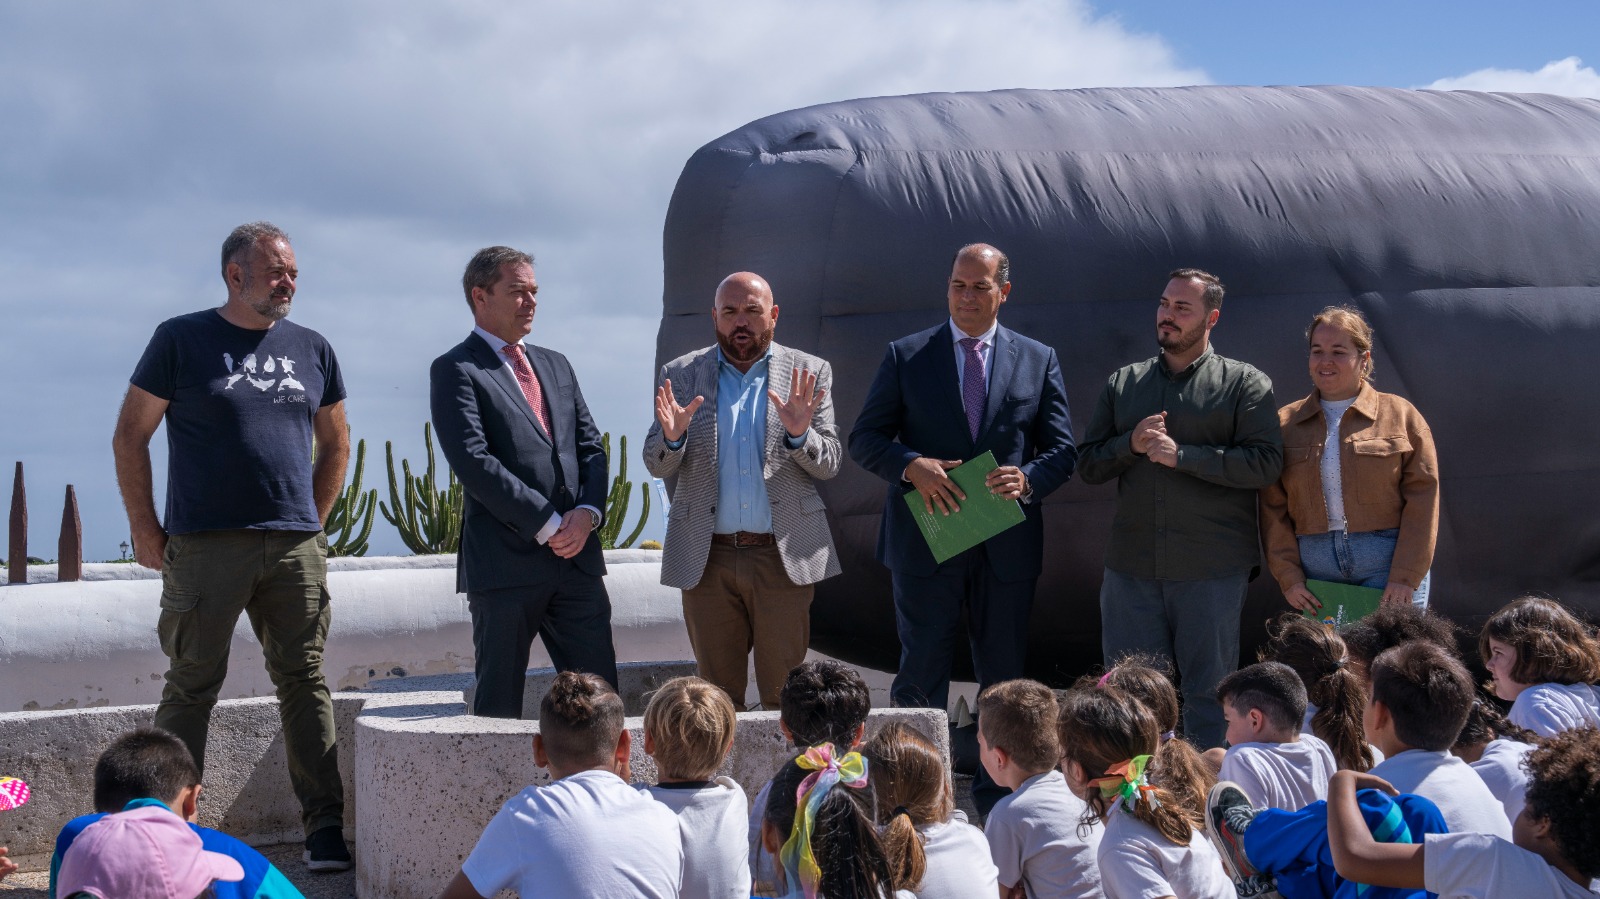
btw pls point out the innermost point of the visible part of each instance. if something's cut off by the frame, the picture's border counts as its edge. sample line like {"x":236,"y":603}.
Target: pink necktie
{"x":529,"y":384}
{"x":972,"y":389}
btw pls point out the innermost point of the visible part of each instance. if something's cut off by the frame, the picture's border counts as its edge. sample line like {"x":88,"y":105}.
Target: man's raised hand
{"x":796,"y":410}
{"x":673,"y":418}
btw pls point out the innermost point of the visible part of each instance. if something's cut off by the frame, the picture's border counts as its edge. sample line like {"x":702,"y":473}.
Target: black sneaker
{"x":326,"y":851}
{"x":1228,"y":816}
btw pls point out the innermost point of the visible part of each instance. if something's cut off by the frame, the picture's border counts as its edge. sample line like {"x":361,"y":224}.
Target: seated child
{"x":143,"y":853}
{"x":688,"y":730}
{"x":932,"y":850}
{"x":1421,"y":696}
{"x":587,"y":833}
{"x":1555,"y":851}
{"x":1034,"y":832}
{"x":1495,"y":748}
{"x":819,"y":824}
{"x":1177,"y":766}
{"x":152,"y":767}
{"x":1268,"y":757}
{"x":1151,"y":845}
{"x":1388,"y":627}
{"x":1543,"y":661}
{"x":822,"y":701}
{"x":1336,"y":697}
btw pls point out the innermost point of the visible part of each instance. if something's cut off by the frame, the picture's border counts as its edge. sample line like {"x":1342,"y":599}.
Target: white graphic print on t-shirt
{"x":248,"y":371}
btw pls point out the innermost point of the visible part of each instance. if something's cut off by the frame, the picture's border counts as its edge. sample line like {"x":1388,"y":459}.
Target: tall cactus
{"x":350,"y":522}
{"x":617,"y":499}
{"x":428,"y":519}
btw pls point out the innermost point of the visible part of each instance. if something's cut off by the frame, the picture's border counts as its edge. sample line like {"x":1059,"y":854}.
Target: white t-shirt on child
{"x":1033,"y":838}
{"x":1502,"y":772}
{"x":1549,"y":709}
{"x":1137,"y":862}
{"x":1451,"y":784}
{"x":1478,"y":866}
{"x":1289,"y":776}
{"x":959,"y":866}
{"x":587,"y":834}
{"x":712,"y":819}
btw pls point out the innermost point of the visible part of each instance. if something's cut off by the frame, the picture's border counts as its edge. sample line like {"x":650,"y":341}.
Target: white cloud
{"x":394,"y":138}
{"x":1568,"y":77}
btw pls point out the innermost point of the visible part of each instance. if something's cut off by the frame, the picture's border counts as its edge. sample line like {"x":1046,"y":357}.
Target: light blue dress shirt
{"x":985,"y":350}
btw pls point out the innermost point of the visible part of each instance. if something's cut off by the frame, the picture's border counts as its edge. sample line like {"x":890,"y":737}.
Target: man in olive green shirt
{"x":1190,"y":437}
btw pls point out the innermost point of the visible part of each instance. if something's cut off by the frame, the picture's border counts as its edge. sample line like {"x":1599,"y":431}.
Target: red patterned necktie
{"x":529,"y":384}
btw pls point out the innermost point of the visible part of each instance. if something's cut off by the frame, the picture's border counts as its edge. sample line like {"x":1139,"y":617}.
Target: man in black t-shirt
{"x":246,"y":396}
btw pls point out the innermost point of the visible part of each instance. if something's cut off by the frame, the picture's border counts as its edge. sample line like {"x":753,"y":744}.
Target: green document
{"x":981,"y":515}
{"x":1342,"y":603}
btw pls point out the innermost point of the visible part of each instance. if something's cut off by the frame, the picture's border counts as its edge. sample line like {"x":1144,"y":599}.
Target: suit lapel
{"x":703,"y":427}
{"x":499,"y":371}
{"x":560,"y":418}
{"x":779,"y":373}
{"x":1002,"y":362}
{"x":944,"y":364}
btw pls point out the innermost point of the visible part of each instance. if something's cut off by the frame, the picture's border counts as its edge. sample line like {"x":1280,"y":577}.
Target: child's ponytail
{"x":1177,"y":766}
{"x":1319,"y":656}
{"x":822,"y":811}
{"x":912,"y":788}
{"x":1112,"y":738}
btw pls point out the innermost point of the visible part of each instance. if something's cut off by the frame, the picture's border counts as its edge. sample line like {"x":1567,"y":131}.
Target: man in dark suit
{"x":514,"y":427}
{"x":943,"y":396}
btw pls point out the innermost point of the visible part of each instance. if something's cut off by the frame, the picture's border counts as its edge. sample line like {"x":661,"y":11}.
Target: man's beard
{"x":268,"y":309}
{"x":1179,"y":342}
{"x":753,"y":350}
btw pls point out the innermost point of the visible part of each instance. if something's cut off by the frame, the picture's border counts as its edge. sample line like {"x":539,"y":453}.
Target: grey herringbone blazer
{"x":799,"y":520}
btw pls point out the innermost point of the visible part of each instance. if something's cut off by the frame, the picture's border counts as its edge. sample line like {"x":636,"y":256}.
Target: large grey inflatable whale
{"x":1466,"y":225}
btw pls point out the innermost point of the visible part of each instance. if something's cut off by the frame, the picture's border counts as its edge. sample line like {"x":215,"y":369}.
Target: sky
{"x":393,"y":139}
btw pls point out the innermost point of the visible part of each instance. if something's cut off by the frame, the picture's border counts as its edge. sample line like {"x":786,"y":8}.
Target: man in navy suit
{"x":514,"y":427}
{"x":943,"y":396}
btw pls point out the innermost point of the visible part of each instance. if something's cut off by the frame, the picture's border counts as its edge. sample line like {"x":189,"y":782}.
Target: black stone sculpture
{"x":1466,"y":226}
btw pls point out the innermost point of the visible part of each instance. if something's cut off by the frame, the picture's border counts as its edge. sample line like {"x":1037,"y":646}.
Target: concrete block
{"x":635,"y":682}
{"x":414,"y":791}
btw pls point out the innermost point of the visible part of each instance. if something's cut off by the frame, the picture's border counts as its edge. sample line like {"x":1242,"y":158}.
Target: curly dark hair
{"x":1564,"y":789}
{"x":1392,"y":625}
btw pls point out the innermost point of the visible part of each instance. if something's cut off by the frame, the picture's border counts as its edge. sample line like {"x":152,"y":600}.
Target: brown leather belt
{"x":743,"y":538}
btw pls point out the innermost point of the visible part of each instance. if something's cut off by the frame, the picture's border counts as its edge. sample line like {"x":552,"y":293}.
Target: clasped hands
{"x":795,"y":411}
{"x":1150,"y":439}
{"x":938,"y":491}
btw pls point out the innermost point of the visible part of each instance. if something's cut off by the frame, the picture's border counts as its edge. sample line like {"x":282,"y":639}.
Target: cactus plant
{"x":428,"y":519}
{"x":617,"y":499}
{"x":350,"y":522}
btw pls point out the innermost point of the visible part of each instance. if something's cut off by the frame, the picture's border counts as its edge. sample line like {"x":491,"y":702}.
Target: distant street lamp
{"x":124,"y":546}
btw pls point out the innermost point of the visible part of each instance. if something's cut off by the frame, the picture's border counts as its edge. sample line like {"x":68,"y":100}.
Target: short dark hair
{"x":1564,"y":789}
{"x":1002,"y":271}
{"x":1552,"y":645}
{"x":146,"y":763}
{"x":580,"y":720}
{"x":824,"y":701}
{"x":1019,"y":716}
{"x":1427,"y":691}
{"x":484,"y":268}
{"x":1213,"y":292}
{"x":243,"y":238}
{"x":1392,"y":625}
{"x":1269,"y":687}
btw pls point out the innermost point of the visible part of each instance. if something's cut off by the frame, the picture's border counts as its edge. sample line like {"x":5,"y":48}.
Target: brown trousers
{"x":746,"y":601}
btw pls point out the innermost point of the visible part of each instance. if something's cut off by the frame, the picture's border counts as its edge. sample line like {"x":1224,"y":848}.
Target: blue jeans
{"x":1193,"y":623}
{"x":1361,"y":559}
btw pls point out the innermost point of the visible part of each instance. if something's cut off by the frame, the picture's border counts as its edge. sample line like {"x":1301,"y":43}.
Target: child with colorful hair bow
{"x":1125,"y":782}
{"x":829,"y":844}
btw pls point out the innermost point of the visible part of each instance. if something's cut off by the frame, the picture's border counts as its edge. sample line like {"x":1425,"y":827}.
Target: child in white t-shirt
{"x":1152,"y":845}
{"x":1543,"y":660}
{"x":688,"y":731}
{"x":1421,"y":696}
{"x":587,"y":833}
{"x":1555,"y":848}
{"x":1495,"y":748}
{"x":1268,"y":757}
{"x":932,"y":850}
{"x":818,"y":824}
{"x":1035,"y":833}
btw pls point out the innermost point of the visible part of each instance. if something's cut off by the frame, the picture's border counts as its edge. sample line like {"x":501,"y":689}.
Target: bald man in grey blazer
{"x":743,"y":430}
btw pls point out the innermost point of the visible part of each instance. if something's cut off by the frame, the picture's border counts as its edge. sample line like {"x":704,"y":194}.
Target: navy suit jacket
{"x":513,"y":475}
{"x":914,"y":409}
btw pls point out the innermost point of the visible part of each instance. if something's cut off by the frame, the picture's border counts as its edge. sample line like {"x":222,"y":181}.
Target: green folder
{"x":1342,"y":603}
{"x":980,"y":516}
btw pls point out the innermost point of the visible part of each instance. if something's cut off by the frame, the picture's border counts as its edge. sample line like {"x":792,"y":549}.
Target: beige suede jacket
{"x":1390,"y":476}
